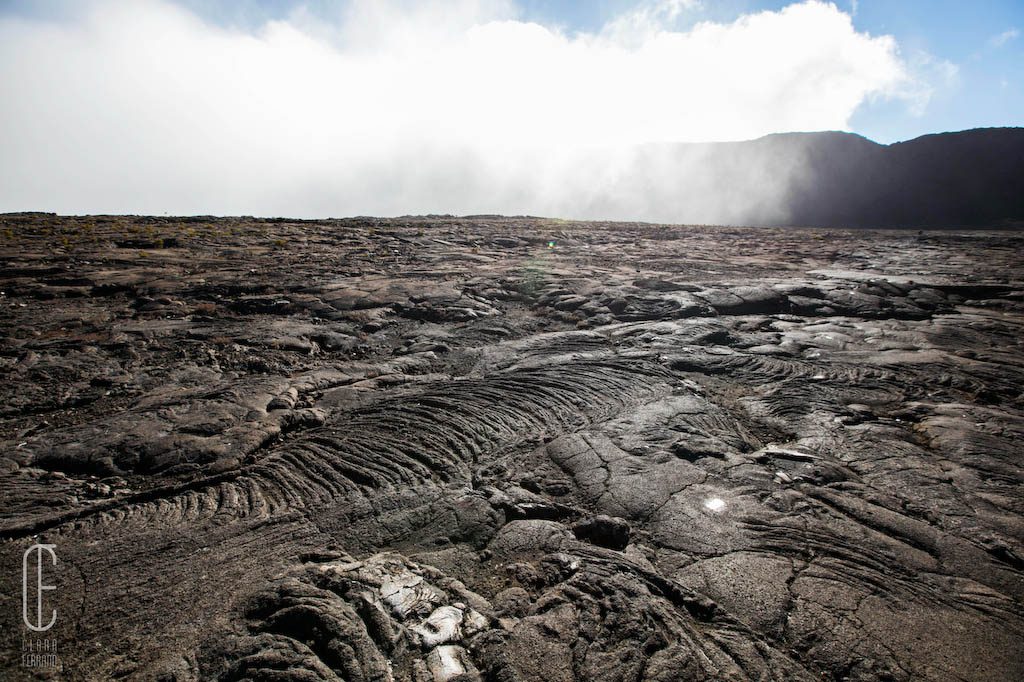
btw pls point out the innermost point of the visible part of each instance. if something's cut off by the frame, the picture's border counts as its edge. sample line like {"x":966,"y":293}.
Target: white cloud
{"x":646,"y":20}
{"x":404,"y":107}
{"x":1004,"y":37}
{"x":929,"y":76}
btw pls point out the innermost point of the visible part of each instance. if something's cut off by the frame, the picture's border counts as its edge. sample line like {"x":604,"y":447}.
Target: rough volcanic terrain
{"x":512,"y":449}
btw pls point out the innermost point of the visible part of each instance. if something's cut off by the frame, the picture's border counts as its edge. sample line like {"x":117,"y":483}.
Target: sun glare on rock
{"x":715,"y":504}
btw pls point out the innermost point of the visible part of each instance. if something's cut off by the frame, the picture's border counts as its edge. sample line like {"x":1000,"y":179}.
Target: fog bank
{"x":391,"y":108}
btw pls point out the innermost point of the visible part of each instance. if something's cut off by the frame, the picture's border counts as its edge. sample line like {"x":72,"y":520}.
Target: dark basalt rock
{"x":662,"y":285}
{"x":435,"y":449}
{"x":604,"y":531}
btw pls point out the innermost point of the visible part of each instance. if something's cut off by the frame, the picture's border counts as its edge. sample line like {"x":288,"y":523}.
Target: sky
{"x":389,"y":107}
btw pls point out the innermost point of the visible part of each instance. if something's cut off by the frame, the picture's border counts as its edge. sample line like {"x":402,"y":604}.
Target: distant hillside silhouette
{"x":973,"y":178}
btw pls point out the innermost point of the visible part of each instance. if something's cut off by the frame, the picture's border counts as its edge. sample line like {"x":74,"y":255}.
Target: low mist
{"x":387,"y":108}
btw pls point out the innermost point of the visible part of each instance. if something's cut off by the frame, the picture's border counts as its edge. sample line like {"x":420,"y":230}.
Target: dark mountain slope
{"x":970,"y":178}
{"x":973,"y":178}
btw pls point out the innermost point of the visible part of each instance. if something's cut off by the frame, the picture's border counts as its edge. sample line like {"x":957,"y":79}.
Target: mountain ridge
{"x":972,"y":178}
{"x":833,"y":179}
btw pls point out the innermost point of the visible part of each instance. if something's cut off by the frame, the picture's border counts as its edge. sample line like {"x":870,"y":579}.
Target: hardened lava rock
{"x":512,"y":449}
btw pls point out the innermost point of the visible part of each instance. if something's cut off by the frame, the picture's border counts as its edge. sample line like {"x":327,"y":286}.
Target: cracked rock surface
{"x":512,"y":449}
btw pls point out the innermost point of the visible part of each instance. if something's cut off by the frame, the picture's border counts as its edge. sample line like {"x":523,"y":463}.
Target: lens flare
{"x":715,"y":503}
